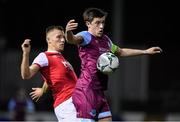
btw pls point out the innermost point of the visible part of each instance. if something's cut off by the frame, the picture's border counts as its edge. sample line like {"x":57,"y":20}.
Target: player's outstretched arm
{"x":135,"y":52}
{"x":70,"y":37}
{"x":26,"y":70}
{"x":38,"y":92}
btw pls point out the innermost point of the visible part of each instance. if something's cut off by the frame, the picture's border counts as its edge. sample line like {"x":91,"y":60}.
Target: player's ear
{"x":87,"y":23}
{"x":47,"y":40}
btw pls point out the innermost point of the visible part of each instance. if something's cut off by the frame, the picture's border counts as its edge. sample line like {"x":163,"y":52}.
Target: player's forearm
{"x":45,"y":87}
{"x":70,"y":37}
{"x":25,"y":71}
{"x":131,"y":52}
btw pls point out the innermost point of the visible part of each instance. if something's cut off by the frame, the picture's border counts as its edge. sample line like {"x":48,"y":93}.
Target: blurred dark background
{"x":146,"y":83}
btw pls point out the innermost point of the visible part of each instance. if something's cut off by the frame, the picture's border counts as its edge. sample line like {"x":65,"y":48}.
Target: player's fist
{"x":153,"y":50}
{"x":71,"y":25}
{"x":26,"y":45}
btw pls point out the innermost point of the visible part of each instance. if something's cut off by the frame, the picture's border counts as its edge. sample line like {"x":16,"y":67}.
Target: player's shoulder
{"x":86,"y":37}
{"x":41,"y":59}
{"x":42,"y":54}
{"x":83,"y":33}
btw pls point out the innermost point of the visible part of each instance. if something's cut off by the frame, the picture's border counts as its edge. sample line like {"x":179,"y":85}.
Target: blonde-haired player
{"x":56,"y":71}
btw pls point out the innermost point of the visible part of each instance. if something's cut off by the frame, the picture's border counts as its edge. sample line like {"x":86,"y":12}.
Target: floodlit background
{"x":143,"y":88}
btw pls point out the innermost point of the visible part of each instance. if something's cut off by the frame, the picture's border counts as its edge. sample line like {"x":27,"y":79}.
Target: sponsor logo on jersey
{"x":67,"y":65}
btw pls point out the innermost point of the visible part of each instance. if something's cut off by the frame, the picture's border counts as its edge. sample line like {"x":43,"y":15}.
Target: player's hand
{"x":36,"y":93}
{"x":71,"y":25}
{"x":153,"y":50}
{"x":26,"y":47}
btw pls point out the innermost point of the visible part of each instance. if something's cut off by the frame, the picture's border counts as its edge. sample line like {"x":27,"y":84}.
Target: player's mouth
{"x":62,"y":45}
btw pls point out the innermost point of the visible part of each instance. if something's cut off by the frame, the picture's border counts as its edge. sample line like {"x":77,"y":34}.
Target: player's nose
{"x":62,"y":40}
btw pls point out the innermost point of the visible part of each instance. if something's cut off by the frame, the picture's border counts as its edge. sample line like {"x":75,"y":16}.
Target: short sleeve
{"x":41,"y":60}
{"x":86,"y":37}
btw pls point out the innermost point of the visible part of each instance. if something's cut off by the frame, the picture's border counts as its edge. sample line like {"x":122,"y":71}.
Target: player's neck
{"x":52,"y":50}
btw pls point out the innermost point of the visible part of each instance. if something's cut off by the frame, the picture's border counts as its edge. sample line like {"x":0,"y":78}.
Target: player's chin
{"x":99,"y":35}
{"x":61,"y":49}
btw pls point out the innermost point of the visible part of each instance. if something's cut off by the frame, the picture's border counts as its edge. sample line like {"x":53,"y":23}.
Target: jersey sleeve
{"x":41,"y":60}
{"x":86,"y":37}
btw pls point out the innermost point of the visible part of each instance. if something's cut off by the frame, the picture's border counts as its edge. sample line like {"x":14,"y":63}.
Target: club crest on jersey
{"x":93,"y":112}
{"x":67,"y":65}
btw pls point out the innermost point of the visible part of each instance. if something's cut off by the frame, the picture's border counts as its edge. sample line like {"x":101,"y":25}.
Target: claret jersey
{"x":89,"y":51}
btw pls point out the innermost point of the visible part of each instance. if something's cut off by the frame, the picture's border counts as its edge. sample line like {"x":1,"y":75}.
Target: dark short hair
{"x":52,"y":27}
{"x":91,"y":13}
